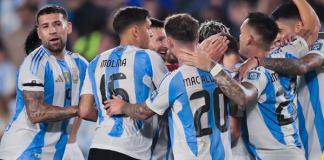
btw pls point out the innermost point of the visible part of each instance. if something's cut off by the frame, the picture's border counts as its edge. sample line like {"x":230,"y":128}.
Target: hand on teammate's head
{"x":215,"y":47}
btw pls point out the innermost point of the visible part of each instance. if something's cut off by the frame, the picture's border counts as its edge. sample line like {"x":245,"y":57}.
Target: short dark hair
{"x":264,"y":26}
{"x":156,"y":23}
{"x":182,"y":27}
{"x":209,"y":28}
{"x":49,"y":9}
{"x":232,"y":45}
{"x":127,"y":16}
{"x":32,"y":41}
{"x":286,"y":11}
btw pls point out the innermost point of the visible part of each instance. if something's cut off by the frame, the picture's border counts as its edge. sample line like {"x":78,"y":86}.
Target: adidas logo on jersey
{"x":59,"y":79}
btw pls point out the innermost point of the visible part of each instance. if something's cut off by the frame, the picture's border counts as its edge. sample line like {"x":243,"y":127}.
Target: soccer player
{"x":230,"y":58}
{"x":161,"y":146}
{"x":191,"y":96}
{"x":158,"y":44}
{"x":271,"y":131}
{"x":299,"y":18}
{"x":131,"y":72}
{"x":49,"y":82}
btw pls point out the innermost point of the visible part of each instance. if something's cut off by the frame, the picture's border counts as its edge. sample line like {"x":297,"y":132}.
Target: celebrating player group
{"x":265,"y":90}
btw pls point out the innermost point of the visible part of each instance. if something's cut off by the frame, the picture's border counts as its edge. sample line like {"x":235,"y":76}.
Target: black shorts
{"x":101,"y":154}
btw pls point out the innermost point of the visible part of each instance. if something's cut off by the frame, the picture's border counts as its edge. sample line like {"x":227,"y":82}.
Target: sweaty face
{"x":53,"y":30}
{"x":245,"y":34}
{"x":144,"y":34}
{"x":286,"y":28}
{"x":158,"y":41}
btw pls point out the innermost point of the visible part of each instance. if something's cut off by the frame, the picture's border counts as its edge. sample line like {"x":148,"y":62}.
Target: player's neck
{"x":58,"y":55}
{"x":128,"y":41}
{"x":260,"y":52}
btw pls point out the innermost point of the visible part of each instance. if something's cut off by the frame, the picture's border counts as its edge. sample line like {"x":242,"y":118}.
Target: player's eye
{"x":44,"y":26}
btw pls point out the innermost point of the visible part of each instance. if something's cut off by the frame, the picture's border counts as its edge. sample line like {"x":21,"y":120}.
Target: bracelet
{"x":216,"y":69}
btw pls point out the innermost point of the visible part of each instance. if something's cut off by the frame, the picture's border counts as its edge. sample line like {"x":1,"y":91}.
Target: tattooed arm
{"x":293,"y":66}
{"x":117,"y":106}
{"x":37,"y":111}
{"x":241,"y":94}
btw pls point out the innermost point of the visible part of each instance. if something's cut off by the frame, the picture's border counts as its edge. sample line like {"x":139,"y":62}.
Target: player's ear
{"x":298,"y":26}
{"x":38,"y":32}
{"x":169,"y":43}
{"x":250,"y":40}
{"x":69,"y":27}
{"x":135,"y":31}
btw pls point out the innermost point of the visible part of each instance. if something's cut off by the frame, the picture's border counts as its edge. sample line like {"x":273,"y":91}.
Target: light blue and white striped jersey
{"x":292,"y":50}
{"x":197,"y":114}
{"x":311,"y":107}
{"x":270,"y":122}
{"x":132,"y":73}
{"x":61,"y":82}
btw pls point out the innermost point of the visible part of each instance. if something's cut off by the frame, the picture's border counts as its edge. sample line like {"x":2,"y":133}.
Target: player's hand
{"x":246,"y":67}
{"x":282,"y":41}
{"x":214,"y":46}
{"x":198,"y":60}
{"x":114,"y":106}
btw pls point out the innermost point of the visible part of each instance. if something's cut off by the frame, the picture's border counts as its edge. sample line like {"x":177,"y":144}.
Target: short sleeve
{"x":318,"y":48}
{"x":160,"y":100}
{"x":258,"y":79}
{"x":87,"y":88}
{"x":31,"y":75}
{"x":158,"y":67}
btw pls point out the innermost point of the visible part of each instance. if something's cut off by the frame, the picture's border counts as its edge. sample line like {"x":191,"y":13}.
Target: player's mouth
{"x":54,"y":40}
{"x":163,"y":51}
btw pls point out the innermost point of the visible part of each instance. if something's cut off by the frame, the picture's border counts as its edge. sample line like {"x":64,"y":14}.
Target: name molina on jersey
{"x":113,"y":63}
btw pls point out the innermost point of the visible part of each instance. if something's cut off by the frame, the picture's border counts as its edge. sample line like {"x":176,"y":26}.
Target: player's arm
{"x":311,"y":22}
{"x":241,"y":94}
{"x":285,"y":66}
{"x":38,"y":111}
{"x":292,"y":66}
{"x":87,"y":110}
{"x":117,"y":106}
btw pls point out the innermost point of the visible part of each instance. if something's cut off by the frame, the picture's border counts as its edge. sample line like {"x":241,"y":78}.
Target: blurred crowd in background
{"x":93,"y":34}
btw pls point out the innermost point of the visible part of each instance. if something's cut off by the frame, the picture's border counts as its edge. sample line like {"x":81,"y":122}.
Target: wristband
{"x":216,"y":69}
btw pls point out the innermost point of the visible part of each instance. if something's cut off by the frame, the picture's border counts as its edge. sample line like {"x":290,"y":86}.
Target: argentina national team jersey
{"x":131,"y":73}
{"x":311,"y":107}
{"x":270,"y":122}
{"x":197,"y":114}
{"x":292,"y":50}
{"x":61,"y":82}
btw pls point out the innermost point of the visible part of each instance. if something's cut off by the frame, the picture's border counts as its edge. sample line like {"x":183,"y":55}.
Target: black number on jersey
{"x":220,"y":102}
{"x":280,"y":117}
{"x":203,"y":109}
{"x":68,"y":94}
{"x":111,"y":88}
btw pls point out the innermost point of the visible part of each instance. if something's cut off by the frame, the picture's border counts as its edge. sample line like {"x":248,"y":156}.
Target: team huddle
{"x":266,"y":89}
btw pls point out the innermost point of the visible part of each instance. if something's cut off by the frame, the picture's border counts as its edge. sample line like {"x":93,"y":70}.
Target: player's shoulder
{"x":36,"y":58}
{"x":318,"y":45}
{"x":77,"y":56}
{"x":257,"y":73}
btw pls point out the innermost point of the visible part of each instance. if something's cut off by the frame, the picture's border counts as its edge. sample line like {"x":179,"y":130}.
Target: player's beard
{"x":57,"y":46}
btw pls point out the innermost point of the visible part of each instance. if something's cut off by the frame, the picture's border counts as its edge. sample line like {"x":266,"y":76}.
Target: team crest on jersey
{"x":75,"y":75}
{"x":67,"y":76}
{"x":317,"y":46}
{"x":153,"y":95}
{"x":253,"y":75}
